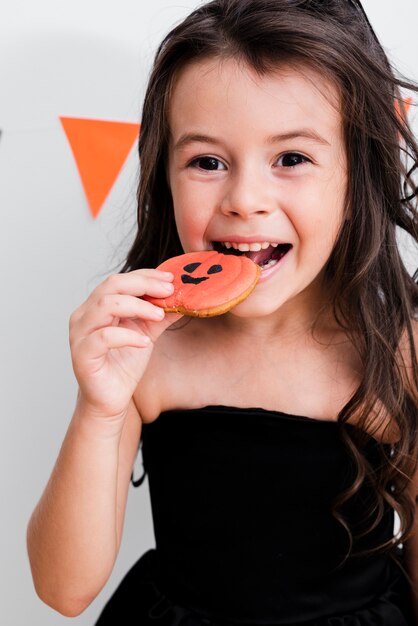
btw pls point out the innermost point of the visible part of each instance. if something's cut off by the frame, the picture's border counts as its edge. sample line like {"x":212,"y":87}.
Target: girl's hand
{"x":112,"y":336}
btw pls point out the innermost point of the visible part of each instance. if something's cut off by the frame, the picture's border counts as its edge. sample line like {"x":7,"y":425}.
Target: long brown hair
{"x":374,"y":297}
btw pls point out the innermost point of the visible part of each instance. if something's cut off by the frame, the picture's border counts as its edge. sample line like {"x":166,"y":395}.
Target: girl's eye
{"x":291,"y":159}
{"x":207,"y":163}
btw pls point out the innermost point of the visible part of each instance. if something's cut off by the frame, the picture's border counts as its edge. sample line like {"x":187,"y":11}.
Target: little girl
{"x":280,"y":438}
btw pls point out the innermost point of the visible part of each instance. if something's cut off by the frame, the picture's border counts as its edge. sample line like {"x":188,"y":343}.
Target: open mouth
{"x":265,"y":257}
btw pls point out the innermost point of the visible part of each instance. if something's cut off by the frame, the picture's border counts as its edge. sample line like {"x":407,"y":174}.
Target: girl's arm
{"x":75,"y":531}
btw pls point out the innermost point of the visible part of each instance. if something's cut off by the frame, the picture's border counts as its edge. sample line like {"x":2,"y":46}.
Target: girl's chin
{"x":255,"y":306}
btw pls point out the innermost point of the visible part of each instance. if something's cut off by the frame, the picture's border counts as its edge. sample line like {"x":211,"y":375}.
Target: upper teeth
{"x":246,"y":247}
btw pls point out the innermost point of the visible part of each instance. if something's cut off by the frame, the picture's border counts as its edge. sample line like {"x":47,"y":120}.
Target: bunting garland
{"x":101,"y":147}
{"x":407,"y":105}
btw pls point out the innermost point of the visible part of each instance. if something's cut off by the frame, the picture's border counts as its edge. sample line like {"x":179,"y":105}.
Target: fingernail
{"x":168,"y":275}
{"x":167,"y":286}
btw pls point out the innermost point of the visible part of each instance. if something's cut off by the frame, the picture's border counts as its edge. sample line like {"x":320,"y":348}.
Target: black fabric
{"x":241,"y":503}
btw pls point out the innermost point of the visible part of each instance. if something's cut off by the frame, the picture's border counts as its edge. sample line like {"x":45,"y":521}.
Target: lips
{"x":264,"y":255}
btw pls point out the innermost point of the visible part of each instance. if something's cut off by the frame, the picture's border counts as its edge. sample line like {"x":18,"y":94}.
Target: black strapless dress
{"x":241,"y":504}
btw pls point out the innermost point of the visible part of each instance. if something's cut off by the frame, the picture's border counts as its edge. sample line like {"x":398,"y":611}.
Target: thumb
{"x":157,"y":328}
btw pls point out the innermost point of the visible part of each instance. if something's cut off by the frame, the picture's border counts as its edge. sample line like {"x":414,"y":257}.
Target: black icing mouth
{"x":262,"y":257}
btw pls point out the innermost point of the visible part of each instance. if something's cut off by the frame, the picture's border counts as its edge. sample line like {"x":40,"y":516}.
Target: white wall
{"x":84,"y":58}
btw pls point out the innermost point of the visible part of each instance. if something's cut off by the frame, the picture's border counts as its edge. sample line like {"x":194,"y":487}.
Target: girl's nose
{"x":246,"y":195}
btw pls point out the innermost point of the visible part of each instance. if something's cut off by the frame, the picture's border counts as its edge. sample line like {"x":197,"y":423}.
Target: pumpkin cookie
{"x":207,"y":283}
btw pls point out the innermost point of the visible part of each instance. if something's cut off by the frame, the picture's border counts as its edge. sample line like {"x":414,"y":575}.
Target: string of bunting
{"x":101,"y":147}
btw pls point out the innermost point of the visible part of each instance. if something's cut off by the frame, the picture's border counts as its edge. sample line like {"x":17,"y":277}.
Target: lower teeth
{"x":269,"y":263}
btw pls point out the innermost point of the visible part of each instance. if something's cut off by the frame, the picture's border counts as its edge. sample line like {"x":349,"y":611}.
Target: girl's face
{"x":255,"y":161}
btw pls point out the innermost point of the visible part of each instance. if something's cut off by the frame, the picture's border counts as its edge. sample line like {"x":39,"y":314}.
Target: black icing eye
{"x":191,"y":267}
{"x":215,"y":269}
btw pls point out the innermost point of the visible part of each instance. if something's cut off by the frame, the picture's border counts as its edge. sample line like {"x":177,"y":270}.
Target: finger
{"x":156,"y":329}
{"x":153,"y":273}
{"x":111,"y":308}
{"x":131,"y":283}
{"x":107,"y":306}
{"x":137,"y":283}
{"x":99,"y":343}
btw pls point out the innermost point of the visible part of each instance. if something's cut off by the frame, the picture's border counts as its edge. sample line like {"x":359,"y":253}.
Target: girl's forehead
{"x":213,"y":91}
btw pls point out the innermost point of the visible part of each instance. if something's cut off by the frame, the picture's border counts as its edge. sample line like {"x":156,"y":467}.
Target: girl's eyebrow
{"x":305,"y":133}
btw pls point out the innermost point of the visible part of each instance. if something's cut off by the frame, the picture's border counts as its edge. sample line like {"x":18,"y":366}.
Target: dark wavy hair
{"x":374,"y":297}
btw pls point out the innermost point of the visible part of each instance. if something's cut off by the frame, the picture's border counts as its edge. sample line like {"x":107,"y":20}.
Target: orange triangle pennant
{"x":407,"y":105}
{"x":100,"y":149}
